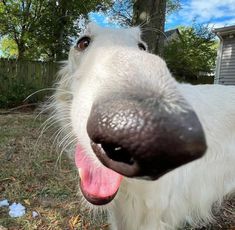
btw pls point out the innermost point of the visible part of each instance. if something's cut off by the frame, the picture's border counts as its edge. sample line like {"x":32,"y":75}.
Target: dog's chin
{"x":95,"y":200}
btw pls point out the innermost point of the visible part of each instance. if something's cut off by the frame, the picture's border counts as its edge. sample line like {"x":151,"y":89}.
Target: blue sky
{"x":217,"y":13}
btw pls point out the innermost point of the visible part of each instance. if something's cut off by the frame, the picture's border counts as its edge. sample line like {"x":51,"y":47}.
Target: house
{"x":171,"y":35}
{"x":225,"y":66}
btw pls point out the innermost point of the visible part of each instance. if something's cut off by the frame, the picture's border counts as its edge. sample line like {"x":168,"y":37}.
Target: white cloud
{"x":222,"y":23}
{"x":218,"y":12}
{"x":210,"y":9}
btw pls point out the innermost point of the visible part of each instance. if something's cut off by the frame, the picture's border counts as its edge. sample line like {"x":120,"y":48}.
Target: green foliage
{"x":193,"y":52}
{"x":17,"y":93}
{"x":8,"y":48}
{"x":172,"y":6}
{"x":42,"y":29}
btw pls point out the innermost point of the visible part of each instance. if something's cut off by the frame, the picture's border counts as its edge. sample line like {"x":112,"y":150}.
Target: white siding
{"x":227,"y":64}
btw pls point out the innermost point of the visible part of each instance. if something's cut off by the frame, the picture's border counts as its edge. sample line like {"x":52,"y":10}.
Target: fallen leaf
{"x":27,"y":202}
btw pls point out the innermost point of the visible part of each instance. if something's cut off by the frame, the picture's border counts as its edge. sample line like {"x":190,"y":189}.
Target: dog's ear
{"x":136,"y":31}
{"x":92,"y":27}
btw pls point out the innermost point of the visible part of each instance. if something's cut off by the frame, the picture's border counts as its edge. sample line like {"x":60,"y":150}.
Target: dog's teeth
{"x":80,"y":173}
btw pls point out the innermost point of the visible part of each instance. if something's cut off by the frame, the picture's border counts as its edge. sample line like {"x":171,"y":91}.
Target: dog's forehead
{"x":94,"y":30}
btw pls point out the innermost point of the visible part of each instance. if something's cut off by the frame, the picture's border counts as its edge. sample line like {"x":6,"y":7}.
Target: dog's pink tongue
{"x":97,"y":183}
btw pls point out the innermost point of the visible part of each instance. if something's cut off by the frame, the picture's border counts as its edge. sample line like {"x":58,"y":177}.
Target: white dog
{"x":155,"y":152}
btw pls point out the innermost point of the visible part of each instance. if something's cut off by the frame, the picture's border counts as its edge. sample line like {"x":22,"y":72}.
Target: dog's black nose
{"x":143,"y":137}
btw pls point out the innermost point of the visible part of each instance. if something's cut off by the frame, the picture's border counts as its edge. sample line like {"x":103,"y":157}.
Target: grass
{"x":29,"y":175}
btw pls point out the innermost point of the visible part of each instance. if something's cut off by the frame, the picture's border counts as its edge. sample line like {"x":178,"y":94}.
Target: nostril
{"x":117,"y":153}
{"x":136,"y":137}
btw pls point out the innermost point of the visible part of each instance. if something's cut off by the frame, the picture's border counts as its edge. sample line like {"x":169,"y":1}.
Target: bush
{"x":16,"y":94}
{"x":193,"y":52}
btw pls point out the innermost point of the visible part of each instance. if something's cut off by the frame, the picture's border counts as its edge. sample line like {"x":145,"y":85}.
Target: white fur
{"x":113,"y":62}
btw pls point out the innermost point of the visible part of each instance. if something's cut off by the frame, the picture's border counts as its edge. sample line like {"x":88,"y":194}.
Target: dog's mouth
{"x":99,"y":185}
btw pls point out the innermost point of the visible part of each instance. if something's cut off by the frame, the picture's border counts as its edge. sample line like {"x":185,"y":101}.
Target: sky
{"x":216,"y":13}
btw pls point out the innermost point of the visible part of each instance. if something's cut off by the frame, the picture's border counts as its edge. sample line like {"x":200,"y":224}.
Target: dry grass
{"x":29,"y":175}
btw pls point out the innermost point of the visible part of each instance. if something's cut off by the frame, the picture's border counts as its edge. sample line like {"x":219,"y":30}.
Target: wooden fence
{"x":18,"y":79}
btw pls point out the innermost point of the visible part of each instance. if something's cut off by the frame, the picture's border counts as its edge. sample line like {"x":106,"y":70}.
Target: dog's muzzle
{"x":139,"y":137}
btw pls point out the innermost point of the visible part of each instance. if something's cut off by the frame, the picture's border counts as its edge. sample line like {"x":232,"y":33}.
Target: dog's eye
{"x":141,"y":46}
{"x":83,"y":43}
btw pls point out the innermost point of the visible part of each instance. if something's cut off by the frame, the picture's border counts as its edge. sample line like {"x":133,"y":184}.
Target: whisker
{"x":69,"y":143}
{"x":154,"y":30}
{"x":45,"y":89}
{"x":59,"y":131}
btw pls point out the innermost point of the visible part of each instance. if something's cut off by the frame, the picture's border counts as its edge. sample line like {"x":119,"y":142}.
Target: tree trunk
{"x":150,"y":15}
{"x":62,"y":11}
{"x":21,"y":50}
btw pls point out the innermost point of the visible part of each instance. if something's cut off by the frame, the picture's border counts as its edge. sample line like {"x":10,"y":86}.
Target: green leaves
{"x":192,"y":53}
{"x":172,"y":6}
{"x":42,"y":29}
{"x":8,"y":48}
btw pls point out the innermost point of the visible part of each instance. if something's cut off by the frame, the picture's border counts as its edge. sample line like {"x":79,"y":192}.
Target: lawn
{"x":32,"y":173}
